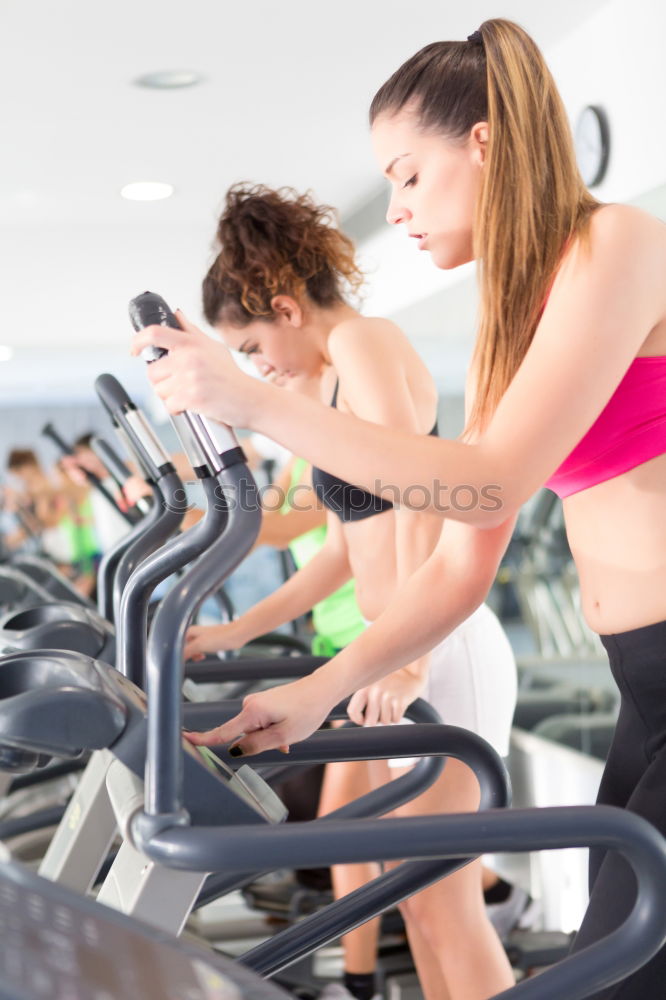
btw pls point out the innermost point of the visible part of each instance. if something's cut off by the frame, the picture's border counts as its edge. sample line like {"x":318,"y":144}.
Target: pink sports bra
{"x":630,"y":430}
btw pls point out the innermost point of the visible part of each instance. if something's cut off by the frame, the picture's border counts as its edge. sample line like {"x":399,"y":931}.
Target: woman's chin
{"x":448,"y":260}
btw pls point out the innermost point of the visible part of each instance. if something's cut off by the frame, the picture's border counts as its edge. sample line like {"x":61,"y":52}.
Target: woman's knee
{"x":445,"y":909}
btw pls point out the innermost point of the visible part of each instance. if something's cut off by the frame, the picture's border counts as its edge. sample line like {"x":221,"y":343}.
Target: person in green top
{"x":281,"y":291}
{"x":295,"y":518}
{"x":337,"y":619}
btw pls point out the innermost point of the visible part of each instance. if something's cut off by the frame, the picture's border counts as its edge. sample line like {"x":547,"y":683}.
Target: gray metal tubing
{"x":224,"y":603}
{"x":294,"y":642}
{"x":130,"y":435}
{"x":44,"y":569}
{"x":380,"y":743}
{"x":280,"y":767}
{"x":116,"y":467}
{"x":172,"y":511}
{"x":202,"y":715}
{"x":23,"y":581}
{"x":109,"y":563}
{"x":124,"y":414}
{"x":145,"y":468}
{"x":377,"y":744}
{"x":164,"y":676}
{"x":48,"y":773}
{"x":215,"y":849}
{"x":431,"y":743}
{"x":344,"y":915}
{"x":392,"y":887}
{"x":596,"y":967}
{"x":324,"y":746}
{"x":40,"y":820}
{"x":109,"y":457}
{"x":157,"y":567}
{"x":254,"y":669}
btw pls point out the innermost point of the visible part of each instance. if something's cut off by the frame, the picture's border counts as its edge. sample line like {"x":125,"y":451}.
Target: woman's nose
{"x":396,"y":213}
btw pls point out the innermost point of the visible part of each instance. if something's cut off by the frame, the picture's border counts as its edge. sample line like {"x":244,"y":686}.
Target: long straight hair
{"x":532,"y":199}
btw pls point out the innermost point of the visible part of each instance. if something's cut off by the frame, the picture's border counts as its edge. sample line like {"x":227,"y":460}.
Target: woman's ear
{"x":479,"y":142}
{"x":287,"y":309}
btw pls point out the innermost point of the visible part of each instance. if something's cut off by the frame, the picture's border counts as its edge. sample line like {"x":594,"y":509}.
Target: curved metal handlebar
{"x":206,"y":442}
{"x":458,"y":836}
{"x":378,"y":743}
{"x":172,"y":557}
{"x":112,"y":395}
{"x":136,"y":430}
{"x":164,"y":675}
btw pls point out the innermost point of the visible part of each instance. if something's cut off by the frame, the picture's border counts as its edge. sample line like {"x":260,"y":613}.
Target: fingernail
{"x":235,"y":751}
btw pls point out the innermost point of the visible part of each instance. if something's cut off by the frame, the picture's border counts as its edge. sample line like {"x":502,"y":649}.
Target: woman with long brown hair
{"x":567,"y":387}
{"x":280,"y":291}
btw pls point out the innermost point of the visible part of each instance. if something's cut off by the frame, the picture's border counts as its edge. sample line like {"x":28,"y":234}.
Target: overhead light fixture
{"x":6,"y":353}
{"x":169,"y":79}
{"x":147,"y":191}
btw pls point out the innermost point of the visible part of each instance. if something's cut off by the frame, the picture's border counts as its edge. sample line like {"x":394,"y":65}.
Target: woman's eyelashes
{"x":411,"y":182}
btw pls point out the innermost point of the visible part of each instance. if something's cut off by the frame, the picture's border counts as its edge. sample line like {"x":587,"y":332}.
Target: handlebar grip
{"x":112,"y":395}
{"x":150,"y":309}
{"x":49,"y":431}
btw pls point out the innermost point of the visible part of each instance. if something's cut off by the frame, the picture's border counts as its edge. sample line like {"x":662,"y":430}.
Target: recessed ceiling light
{"x":169,"y":79}
{"x":6,"y":353}
{"x":147,"y":191}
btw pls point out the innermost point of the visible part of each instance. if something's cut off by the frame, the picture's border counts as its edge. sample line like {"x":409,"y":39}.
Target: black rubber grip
{"x":49,"y":431}
{"x":112,"y":395}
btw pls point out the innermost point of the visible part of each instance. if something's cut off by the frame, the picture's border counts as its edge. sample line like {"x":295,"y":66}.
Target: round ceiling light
{"x":169,"y":79}
{"x":147,"y":191}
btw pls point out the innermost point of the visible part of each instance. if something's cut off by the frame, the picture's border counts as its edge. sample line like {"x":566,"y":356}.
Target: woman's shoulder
{"x":361,"y":335}
{"x":373,"y":354}
{"x":620,"y":243}
{"x":620,"y":226}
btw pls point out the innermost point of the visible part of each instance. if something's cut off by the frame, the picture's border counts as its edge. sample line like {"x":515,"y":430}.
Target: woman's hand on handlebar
{"x":135,"y":488}
{"x":385,"y":701}
{"x":198,"y":374}
{"x":271,"y":720}
{"x":203,"y":639}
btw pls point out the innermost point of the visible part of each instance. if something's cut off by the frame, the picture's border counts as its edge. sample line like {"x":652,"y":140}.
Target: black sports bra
{"x":350,"y":503}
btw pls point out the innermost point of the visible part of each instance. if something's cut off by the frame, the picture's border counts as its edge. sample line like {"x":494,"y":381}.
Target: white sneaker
{"x":517,"y":910}
{"x":337,"y":991}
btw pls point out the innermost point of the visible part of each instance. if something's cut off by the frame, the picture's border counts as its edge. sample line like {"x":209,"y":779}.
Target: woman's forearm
{"x":320,"y":578}
{"x":437,"y":598}
{"x":408,"y":629}
{"x":450,"y":478}
{"x":479,"y":483}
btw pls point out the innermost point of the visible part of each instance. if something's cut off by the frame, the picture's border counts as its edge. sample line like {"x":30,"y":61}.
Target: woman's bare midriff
{"x":371,"y":541}
{"x":617,"y":534}
{"x":372,"y":557}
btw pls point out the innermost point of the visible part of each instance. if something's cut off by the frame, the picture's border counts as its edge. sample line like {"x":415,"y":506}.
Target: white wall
{"x":615,"y":58}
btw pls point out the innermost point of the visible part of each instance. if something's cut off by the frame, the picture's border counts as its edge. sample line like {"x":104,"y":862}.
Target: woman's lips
{"x":421,"y":237}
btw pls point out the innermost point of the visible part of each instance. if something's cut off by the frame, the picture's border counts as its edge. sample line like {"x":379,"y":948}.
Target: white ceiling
{"x":285,"y":98}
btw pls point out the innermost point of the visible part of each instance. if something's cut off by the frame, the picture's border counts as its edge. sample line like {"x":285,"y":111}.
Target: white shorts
{"x":472,"y":680}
